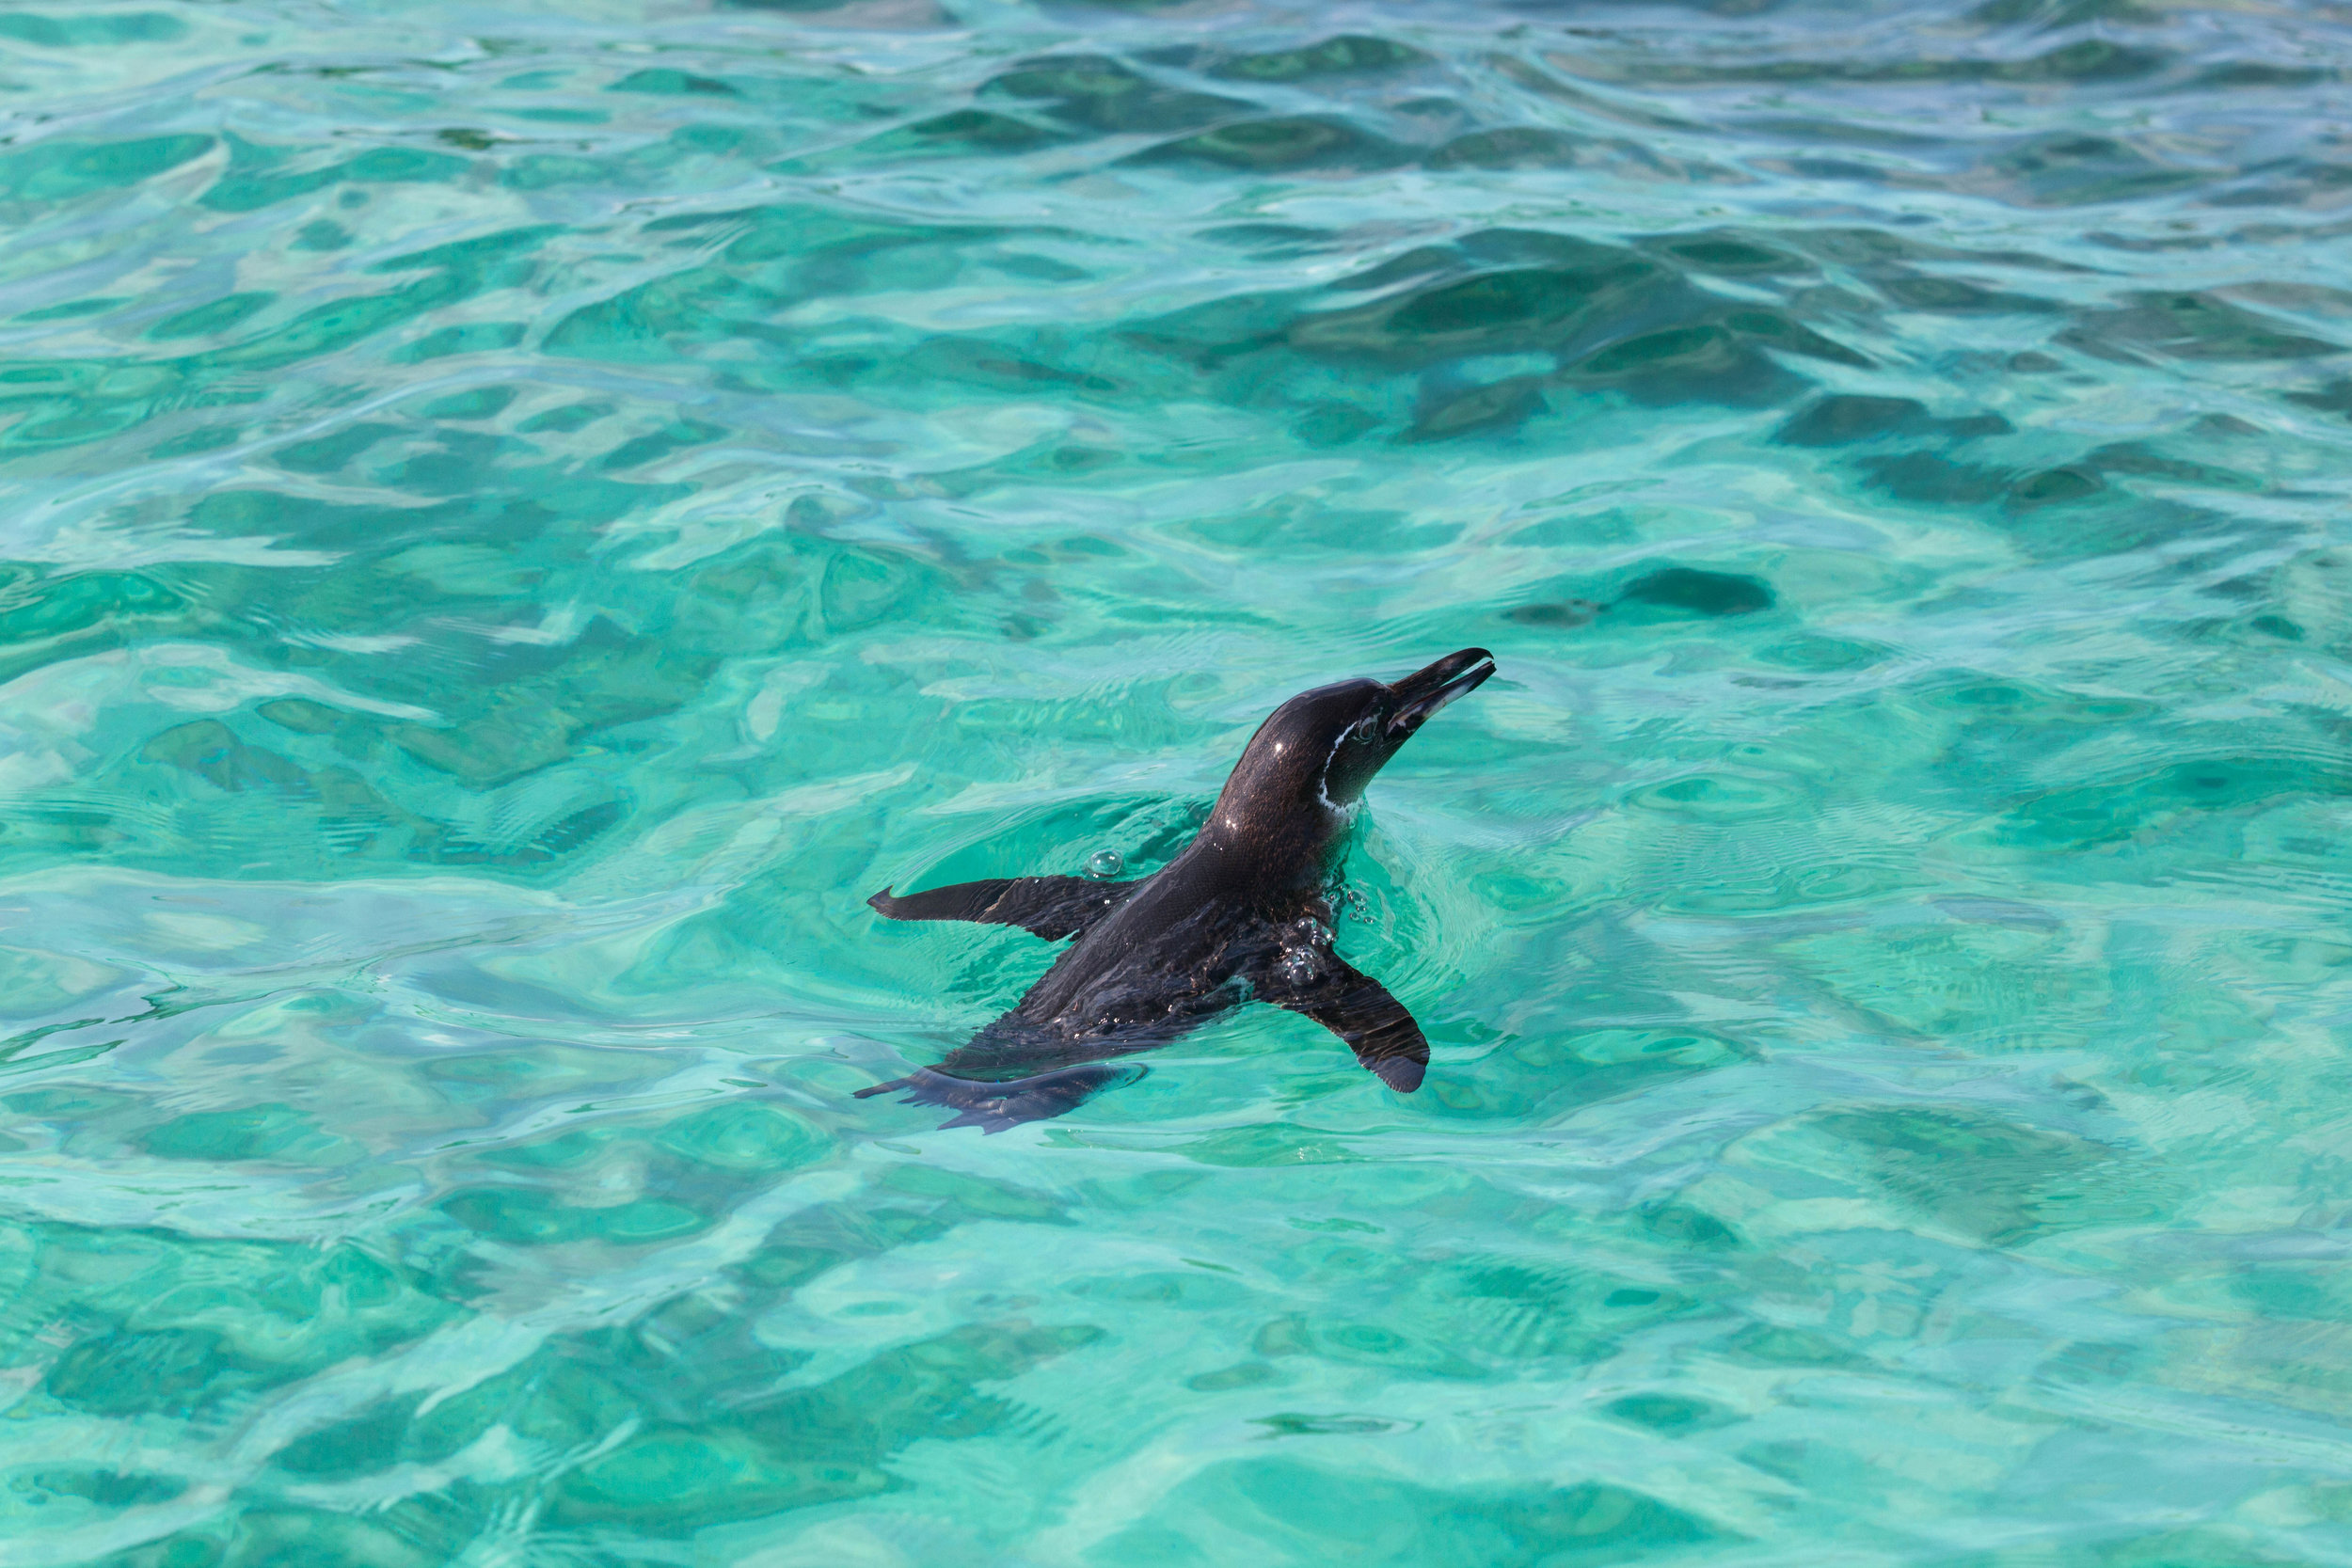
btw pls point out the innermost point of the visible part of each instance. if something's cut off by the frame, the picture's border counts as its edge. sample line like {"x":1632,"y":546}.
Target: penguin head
{"x":1322,"y":747}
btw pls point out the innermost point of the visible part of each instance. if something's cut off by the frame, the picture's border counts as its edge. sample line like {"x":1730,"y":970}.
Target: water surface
{"x":519,"y":516}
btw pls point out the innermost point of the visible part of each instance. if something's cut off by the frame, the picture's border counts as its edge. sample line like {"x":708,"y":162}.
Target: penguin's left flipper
{"x":1049,"y":907}
{"x":1359,"y":1009}
{"x":992,"y":1107}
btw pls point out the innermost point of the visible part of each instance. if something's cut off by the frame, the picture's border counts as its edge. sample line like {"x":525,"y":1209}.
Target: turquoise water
{"x":519,"y":517}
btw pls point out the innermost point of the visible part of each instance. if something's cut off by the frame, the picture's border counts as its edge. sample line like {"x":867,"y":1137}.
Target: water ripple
{"x":520,"y":517}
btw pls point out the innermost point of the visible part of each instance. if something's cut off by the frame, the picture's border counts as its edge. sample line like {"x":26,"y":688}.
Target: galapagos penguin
{"x":1244,"y":913}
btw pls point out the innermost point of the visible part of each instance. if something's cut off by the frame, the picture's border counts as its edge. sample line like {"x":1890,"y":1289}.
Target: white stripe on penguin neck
{"x":1323,"y":780}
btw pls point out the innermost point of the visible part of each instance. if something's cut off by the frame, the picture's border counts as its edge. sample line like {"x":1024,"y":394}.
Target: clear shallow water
{"x":517,"y":521}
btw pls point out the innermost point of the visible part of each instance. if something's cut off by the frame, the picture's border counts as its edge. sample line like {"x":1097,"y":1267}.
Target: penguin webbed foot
{"x":992,"y":1107}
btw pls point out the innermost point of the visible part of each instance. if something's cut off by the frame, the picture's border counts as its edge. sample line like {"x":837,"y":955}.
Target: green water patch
{"x":2111,"y":810}
{"x":260,"y":175}
{"x":673,"y":83}
{"x":549,"y":699}
{"x":65,"y":169}
{"x":1290,"y":142}
{"x":706,"y":1436}
{"x":772,"y":256}
{"x":1103,"y":94}
{"x":1518,"y":1310}
{"x":72,"y":402}
{"x":472,"y":338}
{"x":188,"y":1330}
{"x":278,"y":1134}
{"x":2072,"y":169}
{"x":1551,"y":1075}
{"x":2027,"y":1185}
{"x":1271,"y":1145}
{"x":209,"y":320}
{"x":1843,"y":418}
{"x":744,"y":1137}
{"x":683,"y":1170}
{"x":532,"y":1216}
{"x":1669,"y":1413}
{"x":1342,"y":54}
{"x":1293,"y":1509}
{"x":1544,"y":147}
{"x":805,"y":1447}
{"x":45,"y":616}
{"x":1603,"y":316}
{"x":2191,"y":326}
{"x":84,"y":32}
{"x":962,"y":133}
{"x":75,"y":308}
{"x":1696,"y":592}
{"x":2086,"y":60}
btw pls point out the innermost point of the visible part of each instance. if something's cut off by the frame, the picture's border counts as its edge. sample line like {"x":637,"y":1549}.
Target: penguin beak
{"x":1424,"y":691}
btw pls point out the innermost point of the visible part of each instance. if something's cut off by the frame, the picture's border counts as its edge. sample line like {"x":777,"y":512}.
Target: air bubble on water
{"x":1106,"y":863}
{"x":1358,"y":908}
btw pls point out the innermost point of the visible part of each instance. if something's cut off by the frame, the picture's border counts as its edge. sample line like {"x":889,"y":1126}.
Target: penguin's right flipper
{"x":1050,"y":907}
{"x":1358,"y":1009}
